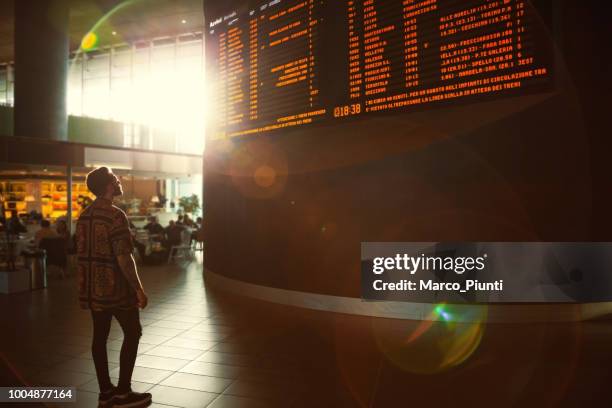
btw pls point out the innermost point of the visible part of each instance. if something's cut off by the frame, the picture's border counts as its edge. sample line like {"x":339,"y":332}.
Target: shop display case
{"x":54,"y":198}
{"x":44,"y":196}
{"x":13,"y":197}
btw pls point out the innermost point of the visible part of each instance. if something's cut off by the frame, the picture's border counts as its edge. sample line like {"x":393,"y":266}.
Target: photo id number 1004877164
{"x":37,"y":394}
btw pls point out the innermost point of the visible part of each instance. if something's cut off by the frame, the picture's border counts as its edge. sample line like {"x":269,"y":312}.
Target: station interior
{"x":284,"y":136}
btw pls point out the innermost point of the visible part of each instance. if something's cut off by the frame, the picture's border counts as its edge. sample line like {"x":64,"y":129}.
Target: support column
{"x":41,"y":68}
{"x":69,"y":199}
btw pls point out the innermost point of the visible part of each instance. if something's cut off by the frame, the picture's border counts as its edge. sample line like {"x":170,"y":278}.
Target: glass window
{"x":155,"y":88}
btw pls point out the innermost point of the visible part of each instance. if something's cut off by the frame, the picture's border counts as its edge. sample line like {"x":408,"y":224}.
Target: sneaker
{"x":132,"y":400}
{"x":106,"y":399}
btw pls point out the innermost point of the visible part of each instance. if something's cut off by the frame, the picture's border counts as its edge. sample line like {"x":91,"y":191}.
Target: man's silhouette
{"x":109,"y":286}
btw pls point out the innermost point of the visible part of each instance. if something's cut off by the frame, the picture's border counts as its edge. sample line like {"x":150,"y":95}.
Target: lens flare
{"x":446,"y":338}
{"x":89,"y":41}
{"x":265,"y":176}
{"x":258,"y":169}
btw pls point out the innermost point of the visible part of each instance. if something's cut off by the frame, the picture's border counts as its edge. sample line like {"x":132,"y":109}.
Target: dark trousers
{"x":129,"y":321}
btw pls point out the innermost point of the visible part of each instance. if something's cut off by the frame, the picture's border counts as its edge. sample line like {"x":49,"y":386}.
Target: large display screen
{"x":286,"y":63}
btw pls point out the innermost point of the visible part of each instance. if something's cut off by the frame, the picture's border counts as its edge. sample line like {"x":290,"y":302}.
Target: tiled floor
{"x":193,"y":352}
{"x":205,"y":349}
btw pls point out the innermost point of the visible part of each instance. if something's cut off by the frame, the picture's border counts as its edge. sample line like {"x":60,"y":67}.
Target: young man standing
{"x":109,"y":286}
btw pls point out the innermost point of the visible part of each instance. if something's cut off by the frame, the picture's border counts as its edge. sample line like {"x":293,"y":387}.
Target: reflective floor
{"x":207,"y":349}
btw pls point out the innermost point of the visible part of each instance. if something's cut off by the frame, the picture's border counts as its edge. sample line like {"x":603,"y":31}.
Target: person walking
{"x":109,"y":286}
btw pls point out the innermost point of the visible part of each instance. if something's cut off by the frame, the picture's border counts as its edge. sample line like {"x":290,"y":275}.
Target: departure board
{"x":286,"y":63}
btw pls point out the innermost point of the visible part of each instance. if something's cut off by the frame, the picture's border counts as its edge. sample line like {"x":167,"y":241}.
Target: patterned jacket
{"x":102,"y":233}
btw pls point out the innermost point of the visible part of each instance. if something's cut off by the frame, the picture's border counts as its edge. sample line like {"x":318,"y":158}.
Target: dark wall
{"x":290,"y":210}
{"x":586,"y":53}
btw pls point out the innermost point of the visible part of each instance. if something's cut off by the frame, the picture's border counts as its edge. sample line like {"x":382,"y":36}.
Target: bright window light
{"x":160,"y":87}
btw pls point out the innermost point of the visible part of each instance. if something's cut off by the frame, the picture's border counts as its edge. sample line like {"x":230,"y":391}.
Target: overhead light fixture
{"x":114,"y":33}
{"x":184,"y":21}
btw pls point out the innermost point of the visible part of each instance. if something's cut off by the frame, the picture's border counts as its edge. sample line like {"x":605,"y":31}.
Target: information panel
{"x":285,"y":63}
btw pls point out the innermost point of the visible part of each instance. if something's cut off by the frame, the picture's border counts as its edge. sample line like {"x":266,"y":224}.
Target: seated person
{"x":14,"y":225}
{"x":196,"y":233}
{"x":173,"y":234}
{"x":57,"y":252}
{"x":154,"y":227}
{"x":62,"y":228}
{"x":35,"y":215}
{"x":188,"y":221}
{"x":45,"y":231}
{"x":140,"y":247}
